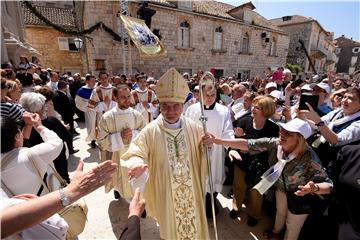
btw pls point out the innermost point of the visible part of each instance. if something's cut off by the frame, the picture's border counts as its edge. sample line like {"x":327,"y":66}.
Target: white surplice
{"x":218,"y":123}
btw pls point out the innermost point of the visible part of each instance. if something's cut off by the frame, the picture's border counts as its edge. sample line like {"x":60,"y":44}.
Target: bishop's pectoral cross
{"x":175,"y":140}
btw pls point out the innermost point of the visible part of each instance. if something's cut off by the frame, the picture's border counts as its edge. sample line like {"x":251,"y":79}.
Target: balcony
{"x":318,"y":52}
{"x":331,"y":58}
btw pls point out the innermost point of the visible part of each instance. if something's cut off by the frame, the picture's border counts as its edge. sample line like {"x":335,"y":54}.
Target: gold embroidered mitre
{"x":172,"y":87}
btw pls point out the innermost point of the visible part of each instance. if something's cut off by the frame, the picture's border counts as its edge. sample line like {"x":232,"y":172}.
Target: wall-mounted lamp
{"x":78,"y":43}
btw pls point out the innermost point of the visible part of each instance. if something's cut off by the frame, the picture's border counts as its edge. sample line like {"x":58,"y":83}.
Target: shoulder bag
{"x":75,"y":214}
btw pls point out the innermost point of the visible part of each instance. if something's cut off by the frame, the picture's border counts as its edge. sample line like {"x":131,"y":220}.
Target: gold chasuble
{"x":175,"y":189}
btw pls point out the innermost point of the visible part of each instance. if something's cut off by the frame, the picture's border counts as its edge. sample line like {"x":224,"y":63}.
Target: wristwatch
{"x":320,"y":124}
{"x":65,"y":201}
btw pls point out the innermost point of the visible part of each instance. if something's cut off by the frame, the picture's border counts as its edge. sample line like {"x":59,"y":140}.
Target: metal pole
{"x":124,"y":10}
{"x":203,"y":120}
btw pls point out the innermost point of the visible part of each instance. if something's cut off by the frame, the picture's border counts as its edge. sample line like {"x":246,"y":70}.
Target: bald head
{"x":238,"y":91}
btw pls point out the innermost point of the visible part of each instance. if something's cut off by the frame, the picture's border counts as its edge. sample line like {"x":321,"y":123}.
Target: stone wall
{"x":199,"y":55}
{"x":45,"y":40}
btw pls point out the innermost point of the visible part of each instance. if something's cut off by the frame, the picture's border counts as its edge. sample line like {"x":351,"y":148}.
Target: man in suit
{"x":63,"y":106}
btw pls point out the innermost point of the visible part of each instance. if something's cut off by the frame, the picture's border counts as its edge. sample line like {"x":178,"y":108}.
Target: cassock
{"x":177,"y":169}
{"x":112,"y":146}
{"x":145,"y":96}
{"x":218,"y":123}
{"x":81,"y":102}
{"x":96,"y":102}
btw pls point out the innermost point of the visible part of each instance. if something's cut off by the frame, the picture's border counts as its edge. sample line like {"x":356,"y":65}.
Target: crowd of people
{"x":275,"y":135}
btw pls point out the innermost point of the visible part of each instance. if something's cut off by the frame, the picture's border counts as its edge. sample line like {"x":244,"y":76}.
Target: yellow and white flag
{"x":146,"y":41}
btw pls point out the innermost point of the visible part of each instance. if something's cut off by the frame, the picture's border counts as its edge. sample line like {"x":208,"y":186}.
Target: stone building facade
{"x":13,"y":42}
{"x":348,"y":52}
{"x":196,"y":34}
{"x":316,"y":40}
{"x":57,"y":49}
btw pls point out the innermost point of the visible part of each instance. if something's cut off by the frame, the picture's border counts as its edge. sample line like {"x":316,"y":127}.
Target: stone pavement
{"x":107,"y":216}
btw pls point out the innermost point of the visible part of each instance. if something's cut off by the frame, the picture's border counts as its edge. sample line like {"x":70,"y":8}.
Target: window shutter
{"x":63,"y":44}
{"x":245,"y":45}
{"x":218,"y":40}
{"x":186,"y":38}
{"x":180,"y":37}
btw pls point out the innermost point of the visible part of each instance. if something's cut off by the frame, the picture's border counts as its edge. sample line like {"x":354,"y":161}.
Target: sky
{"x":340,"y":17}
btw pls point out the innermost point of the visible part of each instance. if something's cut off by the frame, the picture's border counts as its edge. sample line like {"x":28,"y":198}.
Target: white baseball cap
{"x":277,"y":94}
{"x":307,"y":87}
{"x":271,"y":85}
{"x":299,"y":126}
{"x":324,"y":86}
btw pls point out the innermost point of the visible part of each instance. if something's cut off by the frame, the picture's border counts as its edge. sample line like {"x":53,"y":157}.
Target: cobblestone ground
{"x":107,"y":216}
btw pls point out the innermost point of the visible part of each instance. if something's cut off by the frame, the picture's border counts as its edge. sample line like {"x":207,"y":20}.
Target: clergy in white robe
{"x":82,"y":101}
{"x":101,"y":99}
{"x":145,"y":99}
{"x":219,"y":122}
{"x":171,"y":148}
{"x":117,"y":127}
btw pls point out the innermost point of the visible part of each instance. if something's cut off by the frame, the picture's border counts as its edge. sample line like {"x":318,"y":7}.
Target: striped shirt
{"x":12,"y":111}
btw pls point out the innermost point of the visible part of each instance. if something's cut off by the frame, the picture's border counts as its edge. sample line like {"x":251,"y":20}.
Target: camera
{"x":280,"y":102}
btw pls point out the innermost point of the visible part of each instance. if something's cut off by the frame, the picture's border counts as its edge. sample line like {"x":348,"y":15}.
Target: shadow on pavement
{"x":118,"y":214}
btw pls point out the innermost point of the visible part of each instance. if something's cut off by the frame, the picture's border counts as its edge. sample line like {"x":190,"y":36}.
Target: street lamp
{"x":78,"y":43}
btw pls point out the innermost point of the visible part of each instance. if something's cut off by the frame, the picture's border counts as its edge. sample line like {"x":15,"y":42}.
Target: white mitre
{"x":172,"y":87}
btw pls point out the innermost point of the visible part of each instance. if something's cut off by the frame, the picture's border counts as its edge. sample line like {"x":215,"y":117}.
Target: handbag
{"x":74,"y":214}
{"x":309,"y":203}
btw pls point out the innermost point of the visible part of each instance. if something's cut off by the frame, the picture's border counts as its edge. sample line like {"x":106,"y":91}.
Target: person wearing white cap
{"x":323,"y":91}
{"x":166,"y":159}
{"x":295,"y":169}
{"x":271,"y":86}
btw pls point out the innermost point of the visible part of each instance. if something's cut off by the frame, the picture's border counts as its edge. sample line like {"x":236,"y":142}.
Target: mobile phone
{"x":296,"y":83}
{"x":280,"y":102}
{"x":313,"y":100}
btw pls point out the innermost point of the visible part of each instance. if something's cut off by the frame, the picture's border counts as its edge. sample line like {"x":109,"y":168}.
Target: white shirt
{"x":19,"y":175}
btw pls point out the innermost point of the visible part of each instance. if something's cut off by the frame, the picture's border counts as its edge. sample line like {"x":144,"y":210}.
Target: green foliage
{"x":294,"y":68}
{"x":71,"y":31}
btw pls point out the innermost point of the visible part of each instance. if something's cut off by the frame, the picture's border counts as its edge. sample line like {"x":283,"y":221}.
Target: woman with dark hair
{"x":17,"y":162}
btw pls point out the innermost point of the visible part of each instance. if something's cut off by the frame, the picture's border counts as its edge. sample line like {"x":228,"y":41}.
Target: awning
{"x":13,"y":44}
{"x":146,"y":41}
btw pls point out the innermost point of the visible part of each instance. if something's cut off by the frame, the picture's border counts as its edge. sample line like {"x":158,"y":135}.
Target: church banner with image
{"x":145,"y":40}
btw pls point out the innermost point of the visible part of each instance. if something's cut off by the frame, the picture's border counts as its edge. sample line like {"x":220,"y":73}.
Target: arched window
{"x":218,"y":38}
{"x":245,"y":43}
{"x":184,"y":35}
{"x":272,"y":49}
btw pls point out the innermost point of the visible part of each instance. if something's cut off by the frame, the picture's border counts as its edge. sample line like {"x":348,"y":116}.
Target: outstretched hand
{"x":137,"y":205}
{"x":234,"y":155}
{"x":84,"y":183}
{"x":310,"y":187}
{"x":137,"y":170}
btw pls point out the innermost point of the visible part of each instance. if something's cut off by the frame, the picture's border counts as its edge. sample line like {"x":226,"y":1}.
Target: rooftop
{"x":59,"y":16}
